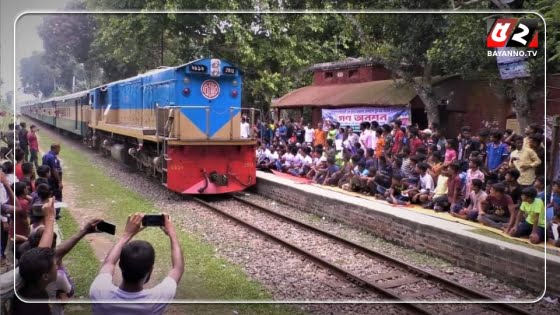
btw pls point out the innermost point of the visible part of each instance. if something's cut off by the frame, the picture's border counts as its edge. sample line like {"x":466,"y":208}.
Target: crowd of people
{"x":494,"y":177}
{"x":30,"y":196}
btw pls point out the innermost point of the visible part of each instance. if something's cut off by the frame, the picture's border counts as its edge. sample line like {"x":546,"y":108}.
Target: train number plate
{"x":229,"y":70}
{"x":210,"y":89}
{"x":198,"y":68}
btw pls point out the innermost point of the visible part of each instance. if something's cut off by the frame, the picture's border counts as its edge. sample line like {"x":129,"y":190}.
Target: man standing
{"x":245,"y":128}
{"x":525,"y":161}
{"x":283,"y":131}
{"x":496,"y":152}
{"x":33,"y":146}
{"x":309,"y":134}
{"x":136,"y":261}
{"x":51,"y":159}
{"x":397,"y":138}
{"x":23,"y":144}
{"x":467,"y":144}
{"x":320,"y":136}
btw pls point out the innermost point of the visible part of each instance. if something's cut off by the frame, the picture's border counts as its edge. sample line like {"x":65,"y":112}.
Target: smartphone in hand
{"x":153,"y":220}
{"x":106,"y":227}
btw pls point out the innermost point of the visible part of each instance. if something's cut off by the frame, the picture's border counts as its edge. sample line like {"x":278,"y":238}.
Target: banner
{"x":514,"y":66}
{"x":354,"y":116}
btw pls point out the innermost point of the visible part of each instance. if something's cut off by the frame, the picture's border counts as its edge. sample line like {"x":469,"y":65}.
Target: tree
{"x":67,"y":41}
{"x":550,"y":9}
{"x":401,"y":43}
{"x":462,"y":49}
{"x":274,"y":49}
{"x":36,"y":76}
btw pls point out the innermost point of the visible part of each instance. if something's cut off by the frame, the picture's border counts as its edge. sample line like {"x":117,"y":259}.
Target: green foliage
{"x":273,"y":49}
{"x":37,"y":77}
{"x":550,"y":9}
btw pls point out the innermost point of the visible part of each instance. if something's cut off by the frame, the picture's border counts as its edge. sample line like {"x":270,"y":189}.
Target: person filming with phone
{"x":136,"y":261}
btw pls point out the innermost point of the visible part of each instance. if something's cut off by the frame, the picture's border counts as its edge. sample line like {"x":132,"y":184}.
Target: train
{"x":179,"y":124}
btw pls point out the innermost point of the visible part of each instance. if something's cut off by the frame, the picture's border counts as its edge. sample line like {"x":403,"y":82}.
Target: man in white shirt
{"x":309,"y":134}
{"x":136,"y":261}
{"x":304,"y":162}
{"x":245,"y":128}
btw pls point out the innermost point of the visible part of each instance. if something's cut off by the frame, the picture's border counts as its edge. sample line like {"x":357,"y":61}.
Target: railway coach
{"x":180,"y":124}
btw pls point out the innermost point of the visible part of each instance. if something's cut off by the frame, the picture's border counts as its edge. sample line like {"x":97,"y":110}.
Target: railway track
{"x":390,"y":278}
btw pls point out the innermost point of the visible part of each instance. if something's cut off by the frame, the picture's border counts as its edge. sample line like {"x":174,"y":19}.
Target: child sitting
{"x":429,"y":199}
{"x":533,"y":223}
{"x":425,"y":184}
{"x":474,"y":199}
{"x":396,"y":194}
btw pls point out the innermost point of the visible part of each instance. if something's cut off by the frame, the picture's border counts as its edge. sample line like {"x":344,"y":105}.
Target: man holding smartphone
{"x":136,"y":261}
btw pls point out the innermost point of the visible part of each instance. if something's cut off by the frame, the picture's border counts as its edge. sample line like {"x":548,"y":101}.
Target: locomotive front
{"x":203,"y":149}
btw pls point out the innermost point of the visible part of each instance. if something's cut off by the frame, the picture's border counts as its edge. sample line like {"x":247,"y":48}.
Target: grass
{"x":206,"y":276}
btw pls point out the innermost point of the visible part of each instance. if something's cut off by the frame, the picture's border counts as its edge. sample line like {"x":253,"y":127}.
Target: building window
{"x":353,"y":73}
{"x":328,"y":75}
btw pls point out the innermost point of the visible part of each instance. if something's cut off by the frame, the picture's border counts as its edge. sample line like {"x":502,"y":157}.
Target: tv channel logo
{"x":512,"y":33}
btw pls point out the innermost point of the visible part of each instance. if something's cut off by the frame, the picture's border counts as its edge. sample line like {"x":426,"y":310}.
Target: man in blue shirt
{"x":55,"y":181}
{"x":283,"y":132}
{"x":497,"y":152}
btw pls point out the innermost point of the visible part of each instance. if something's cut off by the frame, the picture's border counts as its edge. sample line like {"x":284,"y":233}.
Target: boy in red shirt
{"x":397,"y":138}
{"x":33,"y":146}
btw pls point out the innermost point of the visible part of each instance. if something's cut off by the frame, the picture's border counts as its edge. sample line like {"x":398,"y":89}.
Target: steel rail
{"x":449,"y":285}
{"x":341,"y":272}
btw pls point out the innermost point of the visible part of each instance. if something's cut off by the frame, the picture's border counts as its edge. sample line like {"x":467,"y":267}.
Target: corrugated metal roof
{"x":372,"y":93}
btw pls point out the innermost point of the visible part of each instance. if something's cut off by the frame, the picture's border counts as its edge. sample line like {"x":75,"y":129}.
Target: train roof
{"x":145,"y":74}
{"x":161,"y":70}
{"x":59,"y":98}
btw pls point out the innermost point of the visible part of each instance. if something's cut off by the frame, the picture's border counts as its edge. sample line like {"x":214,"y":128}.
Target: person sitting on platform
{"x":454,"y":200}
{"x":474,"y":199}
{"x":497,"y":208}
{"x":386,"y":171}
{"x":332,"y":179}
{"x":425,"y":184}
{"x":530,"y":220}
{"x":324,"y":174}
{"x":303,"y":165}
{"x":439,"y":195}
{"x":347,"y":178}
{"x":396,"y":194}
{"x":319,"y":164}
{"x":271,"y":159}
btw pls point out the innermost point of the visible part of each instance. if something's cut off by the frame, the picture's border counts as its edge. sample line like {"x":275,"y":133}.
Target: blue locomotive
{"x":181,"y":124}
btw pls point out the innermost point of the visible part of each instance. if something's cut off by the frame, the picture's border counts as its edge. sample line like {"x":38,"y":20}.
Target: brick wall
{"x":523,"y":270}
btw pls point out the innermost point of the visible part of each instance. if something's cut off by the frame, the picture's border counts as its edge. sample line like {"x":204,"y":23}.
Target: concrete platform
{"x":456,"y":242}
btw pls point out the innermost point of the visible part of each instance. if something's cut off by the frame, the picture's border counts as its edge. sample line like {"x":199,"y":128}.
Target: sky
{"x":27,"y":39}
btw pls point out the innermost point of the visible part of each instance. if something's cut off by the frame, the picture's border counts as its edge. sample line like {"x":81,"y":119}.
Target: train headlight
{"x":186,"y":80}
{"x":234,"y":93}
{"x":186,"y":91}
